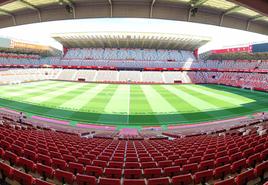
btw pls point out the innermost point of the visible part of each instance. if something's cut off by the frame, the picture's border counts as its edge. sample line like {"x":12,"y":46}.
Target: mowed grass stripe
{"x":82,"y":99}
{"x":25,"y":86}
{"x":98,"y":103}
{"x":57,"y":101}
{"x":50,"y":95}
{"x":158,"y":104}
{"x":193,"y":100}
{"x":23,"y":95}
{"x":20,"y":90}
{"x":139,"y":107}
{"x":119,"y":103}
{"x":228,"y":100}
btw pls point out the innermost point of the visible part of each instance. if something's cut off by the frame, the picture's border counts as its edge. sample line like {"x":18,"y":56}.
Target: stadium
{"x":133,"y":107}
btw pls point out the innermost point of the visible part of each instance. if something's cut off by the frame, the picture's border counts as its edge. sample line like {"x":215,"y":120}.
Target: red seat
{"x":56,"y":155}
{"x":10,"y":157}
{"x":41,"y":182}
{"x":64,"y":176}
{"x":6,"y":170}
{"x":109,"y":181}
{"x":44,"y":159}
{"x":94,"y":170}
{"x":132,"y":165}
{"x":245,"y":177}
{"x":194,"y":159}
{"x":59,"y":164}
{"x":44,"y":171}
{"x":264,"y":154}
{"x":68,"y":158}
{"x":113,"y":173}
{"x":114,"y":164}
{"x":18,"y":150}
{"x":22,"y":178}
{"x":205,"y":165}
{"x":131,"y":159}
{"x":27,"y":164}
{"x":182,"y":179}
{"x":148,"y":165}
{"x":180,"y":162}
{"x":85,"y":180}
{"x":239,"y":165}
{"x":132,"y":173}
{"x":99,"y":163}
{"x":261,"y":169}
{"x":28,"y":154}
{"x":253,"y":159}
{"x":163,"y":164}
{"x":76,"y":168}
{"x":248,"y":152}
{"x":222,"y":171}
{"x":230,"y":181}
{"x":134,"y":182}
{"x":189,"y":168}
{"x":158,"y":181}
{"x":172,"y":171}
{"x":203,"y":176}
{"x":152,"y":172}
{"x":84,"y":161}
{"x":146,"y":159}
{"x":235,"y":157}
{"x":222,"y":161}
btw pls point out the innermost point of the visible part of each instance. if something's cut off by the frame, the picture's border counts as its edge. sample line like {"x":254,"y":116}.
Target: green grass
{"x":132,"y":105}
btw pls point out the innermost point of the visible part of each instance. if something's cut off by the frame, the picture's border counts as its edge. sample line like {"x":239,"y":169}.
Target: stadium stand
{"x":42,"y":156}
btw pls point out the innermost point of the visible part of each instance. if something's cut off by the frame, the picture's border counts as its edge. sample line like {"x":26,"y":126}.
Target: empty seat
{"x":182,"y":179}
{"x":205,"y":165}
{"x":189,"y":168}
{"x":203,"y":176}
{"x":6,"y":170}
{"x":158,"y":181}
{"x":44,"y":171}
{"x":222,"y":161}
{"x":246,"y":177}
{"x":261,"y":170}
{"x":230,"y":181}
{"x":172,"y":171}
{"x":132,"y":173}
{"x":44,"y":159}
{"x":27,"y":164}
{"x":134,"y":182}
{"x":148,"y":165}
{"x":132,"y":165}
{"x":41,"y":182}
{"x":221,"y":171}
{"x":114,"y":164}
{"x":10,"y":157}
{"x":76,"y":168}
{"x":84,"y":161}
{"x":253,"y":159}
{"x":85,"y":180}
{"x":99,"y":163}
{"x":22,"y":178}
{"x":93,"y":170}
{"x":64,"y":176}
{"x":239,"y":165}
{"x":152,"y":172}
{"x":59,"y":164}
{"x":163,"y":164}
{"x":109,"y":181}
{"x":113,"y":172}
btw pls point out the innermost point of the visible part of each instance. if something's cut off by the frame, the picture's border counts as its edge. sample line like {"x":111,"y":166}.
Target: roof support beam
{"x":193,"y":5}
{"x":111,"y":8}
{"x":71,"y":4}
{"x":9,"y":14}
{"x":252,"y":20}
{"x":34,"y":8}
{"x":229,"y":11}
{"x":151,"y":8}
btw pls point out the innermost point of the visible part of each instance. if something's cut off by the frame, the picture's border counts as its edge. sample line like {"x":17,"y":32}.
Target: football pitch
{"x":131,"y":105}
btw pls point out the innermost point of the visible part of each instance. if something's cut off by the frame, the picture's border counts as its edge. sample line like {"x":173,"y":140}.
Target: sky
{"x":220,"y":37}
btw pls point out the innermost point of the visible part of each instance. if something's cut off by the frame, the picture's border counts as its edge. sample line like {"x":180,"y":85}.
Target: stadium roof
{"x":16,"y":46}
{"x":130,"y":40}
{"x":248,"y":15}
